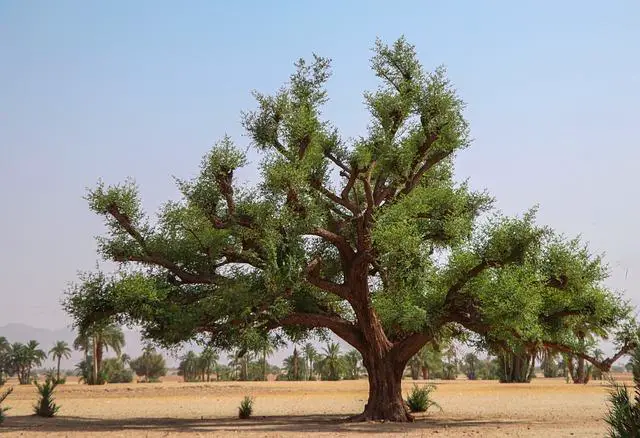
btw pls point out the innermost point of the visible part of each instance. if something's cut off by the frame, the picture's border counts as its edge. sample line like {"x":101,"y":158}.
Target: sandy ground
{"x":544,"y":408}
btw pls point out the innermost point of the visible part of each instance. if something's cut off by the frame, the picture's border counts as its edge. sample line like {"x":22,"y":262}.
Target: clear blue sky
{"x":114,"y":89}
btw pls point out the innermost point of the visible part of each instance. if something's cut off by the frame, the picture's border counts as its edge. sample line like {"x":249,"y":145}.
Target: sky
{"x":108,"y":90}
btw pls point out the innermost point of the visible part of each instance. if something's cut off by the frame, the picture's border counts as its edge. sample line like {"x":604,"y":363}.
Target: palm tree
{"x":208,"y":361}
{"x":189,"y":366}
{"x":292,"y":365}
{"x":60,"y":349}
{"x":23,"y":358}
{"x":98,"y":339}
{"x":125,"y":358}
{"x":310,"y":355}
{"x":352,"y":361}
{"x":331,"y":361}
{"x":266,"y":349}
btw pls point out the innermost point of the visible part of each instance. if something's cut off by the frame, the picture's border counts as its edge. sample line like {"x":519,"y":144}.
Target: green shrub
{"x":51,"y":374}
{"x":419,"y":399}
{"x":3,"y":396}
{"x":46,"y":406}
{"x":624,"y":414}
{"x":246,"y":407}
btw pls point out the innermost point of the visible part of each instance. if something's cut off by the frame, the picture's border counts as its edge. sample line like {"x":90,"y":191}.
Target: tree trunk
{"x":532,"y":368}
{"x":264,"y":364}
{"x":425,"y":373}
{"x":58,"y":372}
{"x":415,"y":372}
{"x":94,"y":376}
{"x":385,"y":401}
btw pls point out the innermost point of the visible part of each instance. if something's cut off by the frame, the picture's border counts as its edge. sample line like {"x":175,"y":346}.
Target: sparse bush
{"x":3,"y":409}
{"x":246,"y":407}
{"x":46,"y":406}
{"x":624,"y":414}
{"x":52,"y":374}
{"x":419,"y":399}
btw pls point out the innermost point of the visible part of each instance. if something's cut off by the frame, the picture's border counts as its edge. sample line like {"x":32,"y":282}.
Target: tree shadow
{"x":269,"y":424}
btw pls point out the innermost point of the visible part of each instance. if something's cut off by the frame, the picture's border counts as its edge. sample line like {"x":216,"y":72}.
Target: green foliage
{"x":3,"y":409}
{"x":245,"y":410}
{"x":46,"y":406}
{"x":52,"y":374}
{"x":150,"y":366}
{"x":94,"y":340}
{"x":60,"y":350}
{"x":331,"y":366}
{"x":471,"y":365}
{"x":515,"y":367}
{"x":623,"y":417}
{"x":352,"y":360}
{"x":189,"y":367}
{"x":371,"y":236}
{"x":310,"y":355}
{"x":296,"y":367}
{"x":23,"y":358}
{"x":420,"y":398}
{"x":112,"y":370}
{"x":427,"y":363}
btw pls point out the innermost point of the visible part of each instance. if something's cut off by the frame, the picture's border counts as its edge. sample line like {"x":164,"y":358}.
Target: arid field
{"x":546,"y":407}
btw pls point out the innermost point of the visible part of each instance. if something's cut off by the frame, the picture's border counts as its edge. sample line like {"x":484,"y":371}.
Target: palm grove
{"x":371,"y":239}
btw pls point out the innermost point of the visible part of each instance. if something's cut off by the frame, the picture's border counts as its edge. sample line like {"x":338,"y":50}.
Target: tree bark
{"x":425,"y":373}
{"x":385,"y":401}
{"x":415,"y":372}
{"x":94,"y":376}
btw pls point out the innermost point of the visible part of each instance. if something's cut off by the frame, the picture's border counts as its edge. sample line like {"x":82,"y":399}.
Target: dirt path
{"x":547,"y":407}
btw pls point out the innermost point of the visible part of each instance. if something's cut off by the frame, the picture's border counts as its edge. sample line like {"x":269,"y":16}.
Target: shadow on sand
{"x":271,"y":424}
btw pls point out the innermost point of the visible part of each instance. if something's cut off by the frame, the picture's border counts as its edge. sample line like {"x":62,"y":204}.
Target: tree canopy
{"x":372,"y":238}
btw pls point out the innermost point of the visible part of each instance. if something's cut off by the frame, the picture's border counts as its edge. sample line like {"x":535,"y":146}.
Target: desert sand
{"x":544,"y":408}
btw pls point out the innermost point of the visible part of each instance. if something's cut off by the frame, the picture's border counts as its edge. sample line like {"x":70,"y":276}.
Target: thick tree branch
{"x":454,"y":290}
{"x":333,"y":197}
{"x":368,"y":190}
{"x":313,"y":277}
{"x":337,"y":240}
{"x":157,"y":260}
{"x":352,"y":177}
{"x":341,"y":327}
{"x":337,"y":162}
{"x":225,"y":184}
{"x":473,"y":323}
{"x":404,"y":350}
{"x":413,"y":180}
{"x":603,"y":365}
{"x":150,"y":257}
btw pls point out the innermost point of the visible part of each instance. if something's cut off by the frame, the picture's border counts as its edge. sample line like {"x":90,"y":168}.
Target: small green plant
{"x":624,"y":413}
{"x":46,"y":406}
{"x":3,"y":396}
{"x":419,"y":399}
{"x":246,"y":407}
{"x":52,"y":374}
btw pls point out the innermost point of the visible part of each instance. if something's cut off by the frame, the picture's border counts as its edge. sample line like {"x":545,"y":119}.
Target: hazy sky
{"x":113,"y":89}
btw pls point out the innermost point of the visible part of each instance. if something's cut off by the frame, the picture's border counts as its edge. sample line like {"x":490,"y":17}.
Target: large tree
{"x":372,"y":239}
